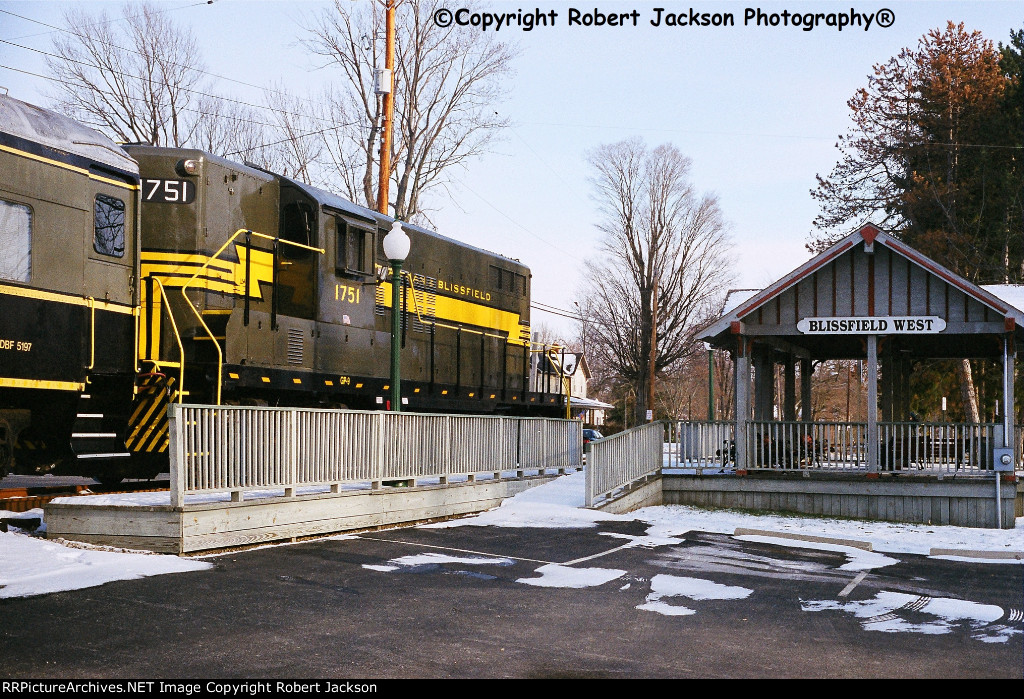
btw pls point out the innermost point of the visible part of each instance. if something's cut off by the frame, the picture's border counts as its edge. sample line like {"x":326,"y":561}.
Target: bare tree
{"x":234,"y":131}
{"x":297,"y":147}
{"x":140,"y":78}
{"x":136,"y":80}
{"x":447,"y":81}
{"x":658,"y":233}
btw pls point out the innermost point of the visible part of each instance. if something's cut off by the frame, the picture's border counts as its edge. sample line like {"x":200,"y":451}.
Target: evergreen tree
{"x":931,"y":156}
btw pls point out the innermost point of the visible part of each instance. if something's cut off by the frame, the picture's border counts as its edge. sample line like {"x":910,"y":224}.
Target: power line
{"x":121,"y":48}
{"x":292,"y":138}
{"x":514,"y":222}
{"x":136,"y":77}
{"x":565,"y":313}
{"x":756,"y":135}
{"x":95,"y":24}
{"x":196,"y":111}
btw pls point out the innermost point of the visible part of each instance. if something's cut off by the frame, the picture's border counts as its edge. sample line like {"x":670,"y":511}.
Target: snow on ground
{"x":30,"y":565}
{"x":560,"y":504}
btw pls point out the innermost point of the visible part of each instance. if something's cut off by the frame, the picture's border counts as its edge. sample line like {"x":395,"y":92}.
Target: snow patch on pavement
{"x":693,"y":588}
{"x":897,"y":612}
{"x":33,"y":566}
{"x":554,"y":575}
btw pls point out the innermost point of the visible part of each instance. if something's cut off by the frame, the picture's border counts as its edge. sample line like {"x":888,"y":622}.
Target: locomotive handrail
{"x":177,"y":337}
{"x":91,"y":302}
{"x":199,"y":316}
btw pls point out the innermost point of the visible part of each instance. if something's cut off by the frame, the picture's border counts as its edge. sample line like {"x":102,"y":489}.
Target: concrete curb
{"x":865,"y":545}
{"x":964,"y":553}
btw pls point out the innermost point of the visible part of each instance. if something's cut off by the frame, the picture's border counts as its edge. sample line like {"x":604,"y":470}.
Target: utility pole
{"x":654,"y":351}
{"x":386,"y":86}
{"x":583,"y":325}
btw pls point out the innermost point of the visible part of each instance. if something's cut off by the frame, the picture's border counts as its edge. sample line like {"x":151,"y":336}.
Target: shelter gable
{"x":859,"y":284}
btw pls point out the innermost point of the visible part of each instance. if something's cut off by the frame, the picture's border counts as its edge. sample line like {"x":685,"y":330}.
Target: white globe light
{"x":396,"y":243}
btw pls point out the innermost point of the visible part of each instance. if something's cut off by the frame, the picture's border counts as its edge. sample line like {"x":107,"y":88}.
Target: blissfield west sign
{"x":875,"y":325}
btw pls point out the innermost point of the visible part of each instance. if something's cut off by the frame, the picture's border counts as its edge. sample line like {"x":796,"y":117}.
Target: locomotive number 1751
{"x":168,"y":191}
{"x":346,"y":293}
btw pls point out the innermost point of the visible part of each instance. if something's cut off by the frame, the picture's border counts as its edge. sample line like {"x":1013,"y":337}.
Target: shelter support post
{"x":711,"y":383}
{"x":789,"y":400}
{"x":764,"y":385}
{"x":872,"y":436}
{"x":1009,"y":357}
{"x":806,"y":369}
{"x":888,"y":384}
{"x":903,"y":365}
{"x":742,"y":390}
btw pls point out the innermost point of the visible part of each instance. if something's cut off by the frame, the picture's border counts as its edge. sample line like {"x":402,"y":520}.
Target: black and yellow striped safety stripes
{"x":147,"y":426}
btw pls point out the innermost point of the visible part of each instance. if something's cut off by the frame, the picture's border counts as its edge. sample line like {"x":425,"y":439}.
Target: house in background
{"x":554,"y":370}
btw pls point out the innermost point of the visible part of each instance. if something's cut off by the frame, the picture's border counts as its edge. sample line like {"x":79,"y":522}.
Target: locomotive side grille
{"x":295,"y":345}
{"x":424,"y":291}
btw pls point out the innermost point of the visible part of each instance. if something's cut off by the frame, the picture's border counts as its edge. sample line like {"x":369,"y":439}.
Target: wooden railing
{"x":238,"y":449}
{"x":929,"y":448}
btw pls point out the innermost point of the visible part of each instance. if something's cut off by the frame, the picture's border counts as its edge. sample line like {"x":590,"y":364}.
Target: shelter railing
{"x":229,"y":448}
{"x":927,"y":448}
{"x":700,"y":445}
{"x":937,"y":447}
{"x":834,"y":446}
{"x":623,"y":458}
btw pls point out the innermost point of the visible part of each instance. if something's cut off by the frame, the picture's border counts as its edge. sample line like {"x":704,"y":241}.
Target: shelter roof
{"x":873,"y":276}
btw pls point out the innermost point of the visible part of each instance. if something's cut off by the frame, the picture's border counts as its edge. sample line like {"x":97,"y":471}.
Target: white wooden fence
{"x":228,"y":448}
{"x":622,"y":458}
{"x":929,"y":448}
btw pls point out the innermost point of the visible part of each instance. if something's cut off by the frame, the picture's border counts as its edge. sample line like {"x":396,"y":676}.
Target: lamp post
{"x":396,"y":249}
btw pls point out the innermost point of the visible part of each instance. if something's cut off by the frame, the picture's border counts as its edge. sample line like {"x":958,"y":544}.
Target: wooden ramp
{"x":202,"y":526}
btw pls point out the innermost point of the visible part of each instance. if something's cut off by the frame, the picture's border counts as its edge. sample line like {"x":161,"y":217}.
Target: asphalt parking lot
{"x":493,"y":602}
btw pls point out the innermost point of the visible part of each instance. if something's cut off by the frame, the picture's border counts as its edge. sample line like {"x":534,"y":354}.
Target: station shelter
{"x":873,"y":298}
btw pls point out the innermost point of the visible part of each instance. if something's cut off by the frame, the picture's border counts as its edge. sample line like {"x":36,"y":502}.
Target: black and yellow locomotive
{"x":230,"y":285}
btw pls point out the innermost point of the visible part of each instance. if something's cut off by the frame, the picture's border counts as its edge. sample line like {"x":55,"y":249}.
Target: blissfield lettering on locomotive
{"x":877,"y":325}
{"x":461,"y":290}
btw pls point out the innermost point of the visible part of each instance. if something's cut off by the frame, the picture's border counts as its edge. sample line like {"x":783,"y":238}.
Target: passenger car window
{"x":15,"y":241}
{"x":109,"y":231}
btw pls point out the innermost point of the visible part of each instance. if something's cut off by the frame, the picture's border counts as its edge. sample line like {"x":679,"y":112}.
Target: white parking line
{"x":854,"y":583}
{"x":449,"y":548}
{"x":598,"y":555}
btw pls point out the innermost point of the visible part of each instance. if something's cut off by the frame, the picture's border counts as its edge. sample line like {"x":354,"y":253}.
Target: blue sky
{"x":757,"y":109}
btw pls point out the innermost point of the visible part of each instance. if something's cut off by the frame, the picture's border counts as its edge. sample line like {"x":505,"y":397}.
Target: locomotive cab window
{"x":354,"y":249}
{"x":297,"y":226}
{"x":109,"y":226}
{"x":15,"y":241}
